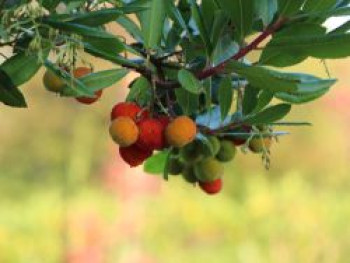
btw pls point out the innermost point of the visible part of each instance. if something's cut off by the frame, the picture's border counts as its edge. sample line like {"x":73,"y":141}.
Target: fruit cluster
{"x":139,"y":134}
{"x":55,"y":84}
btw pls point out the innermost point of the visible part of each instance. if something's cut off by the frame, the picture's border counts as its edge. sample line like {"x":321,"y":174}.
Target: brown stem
{"x":240,"y":54}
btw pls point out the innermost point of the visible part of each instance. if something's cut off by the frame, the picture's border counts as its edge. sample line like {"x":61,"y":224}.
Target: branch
{"x":240,"y":54}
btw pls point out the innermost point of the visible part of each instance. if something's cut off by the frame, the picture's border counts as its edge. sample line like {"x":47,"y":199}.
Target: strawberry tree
{"x":199,"y":93}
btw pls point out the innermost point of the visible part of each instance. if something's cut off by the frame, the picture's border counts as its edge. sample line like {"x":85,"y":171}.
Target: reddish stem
{"x":243,"y":51}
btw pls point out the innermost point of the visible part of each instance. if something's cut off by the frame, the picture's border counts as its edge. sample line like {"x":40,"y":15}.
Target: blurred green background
{"x":65,"y":195}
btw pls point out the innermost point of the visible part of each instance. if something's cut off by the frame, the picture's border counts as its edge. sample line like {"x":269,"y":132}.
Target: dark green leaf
{"x":269,"y":115}
{"x":189,"y":82}
{"x":225,"y":97}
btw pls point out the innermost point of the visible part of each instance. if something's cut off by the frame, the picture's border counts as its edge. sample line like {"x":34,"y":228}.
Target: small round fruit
{"x":192,"y":153}
{"x":189,"y":175}
{"x":175,"y":166}
{"x":151,"y":135}
{"x":211,"y":188}
{"x":88,"y":101}
{"x":227,"y":151}
{"x":257,"y":145}
{"x":128,"y":109}
{"x":133,"y":155}
{"x":124,"y":131}
{"x":81,"y":72}
{"x":52,"y":82}
{"x":208,"y":170}
{"x":181,"y":131}
{"x":242,"y":141}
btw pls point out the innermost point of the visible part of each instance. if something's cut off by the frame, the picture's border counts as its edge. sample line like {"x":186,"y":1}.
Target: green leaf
{"x":140,"y":91}
{"x":269,"y":115}
{"x":263,"y":78}
{"x":319,"y":5}
{"x":21,"y":67}
{"x":287,"y":8}
{"x":201,"y":25}
{"x":289,"y":55}
{"x":310,"y":89}
{"x":152,"y":21}
{"x":131,"y":27}
{"x":330,"y":46}
{"x":242,"y":15}
{"x":156,"y":164}
{"x":266,"y":10}
{"x":250,"y":99}
{"x":264,"y":99}
{"x":225,"y":97}
{"x":188,"y":101}
{"x":224,"y":49}
{"x":9,"y":93}
{"x":189,"y":82}
{"x":99,"y":80}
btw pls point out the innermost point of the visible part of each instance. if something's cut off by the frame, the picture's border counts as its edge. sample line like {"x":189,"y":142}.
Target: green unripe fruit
{"x":175,"y":166}
{"x":52,"y":82}
{"x":215,"y":144}
{"x":208,"y":170}
{"x":189,"y":175}
{"x":227,"y":151}
{"x":192,"y":153}
{"x":257,"y":145}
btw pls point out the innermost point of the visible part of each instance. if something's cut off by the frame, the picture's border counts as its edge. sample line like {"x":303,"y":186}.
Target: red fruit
{"x":238,"y":141}
{"x":128,"y":109}
{"x":151,"y":135}
{"x":87,"y":101}
{"x":211,"y":188}
{"x":134,"y":155}
{"x":164,"y":120}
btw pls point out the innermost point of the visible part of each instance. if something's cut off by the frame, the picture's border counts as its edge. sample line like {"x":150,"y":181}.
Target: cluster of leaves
{"x":191,"y":55}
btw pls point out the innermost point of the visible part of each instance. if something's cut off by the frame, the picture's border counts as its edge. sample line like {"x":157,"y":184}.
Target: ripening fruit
{"x":133,"y":155}
{"x":151,"y":135}
{"x":208,"y":170}
{"x":192,"y":153}
{"x":88,"y":101}
{"x":211,"y":188}
{"x":124,"y":131}
{"x":128,"y":109}
{"x":239,"y":141}
{"x":81,"y":72}
{"x":175,"y":166}
{"x":189,"y":175}
{"x":227,"y":151}
{"x":181,"y":131}
{"x":257,"y":145}
{"x":52,"y":82}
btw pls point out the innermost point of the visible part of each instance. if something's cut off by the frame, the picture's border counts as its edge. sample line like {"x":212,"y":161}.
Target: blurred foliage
{"x":53,"y":199}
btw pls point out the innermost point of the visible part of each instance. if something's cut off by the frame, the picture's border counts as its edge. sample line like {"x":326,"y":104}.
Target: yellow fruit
{"x":181,"y":131}
{"x":257,"y":145}
{"x":124,"y":131}
{"x":208,"y":170}
{"x":52,"y":82}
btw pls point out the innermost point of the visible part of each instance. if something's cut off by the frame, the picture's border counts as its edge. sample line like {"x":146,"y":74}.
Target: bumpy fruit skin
{"x":189,"y":175}
{"x":227,"y":151}
{"x":208,"y":170}
{"x":257,"y":145}
{"x":124,"y":131}
{"x":175,"y":166}
{"x":52,"y":82}
{"x":81,"y":72}
{"x":192,"y":153}
{"x":181,"y":131}
{"x":128,"y":109}
{"x":133,"y":155}
{"x":211,"y":188}
{"x":151,"y":135}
